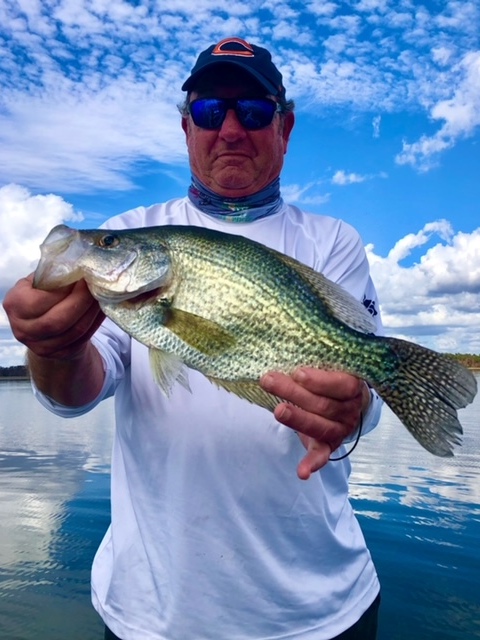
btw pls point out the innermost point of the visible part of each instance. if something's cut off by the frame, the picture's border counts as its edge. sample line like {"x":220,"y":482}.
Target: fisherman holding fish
{"x":214,"y":536}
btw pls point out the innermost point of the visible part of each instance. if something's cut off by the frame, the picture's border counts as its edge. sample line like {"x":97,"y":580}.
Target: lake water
{"x":420,"y":515}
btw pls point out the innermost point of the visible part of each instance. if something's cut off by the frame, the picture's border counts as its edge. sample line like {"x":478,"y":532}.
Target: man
{"x":213,"y":535}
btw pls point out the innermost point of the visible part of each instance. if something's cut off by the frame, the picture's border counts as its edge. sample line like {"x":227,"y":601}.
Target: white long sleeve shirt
{"x":213,"y":536}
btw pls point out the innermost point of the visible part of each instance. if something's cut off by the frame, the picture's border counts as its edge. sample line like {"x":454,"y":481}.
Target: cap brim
{"x":189,"y":84}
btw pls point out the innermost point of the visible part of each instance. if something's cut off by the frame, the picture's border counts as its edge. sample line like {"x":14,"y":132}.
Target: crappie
{"x":234,"y":309}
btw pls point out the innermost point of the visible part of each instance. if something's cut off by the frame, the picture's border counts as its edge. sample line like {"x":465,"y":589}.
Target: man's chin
{"x":234,"y":183}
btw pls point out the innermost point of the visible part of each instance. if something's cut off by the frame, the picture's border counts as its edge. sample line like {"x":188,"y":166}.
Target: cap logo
{"x":233,"y":47}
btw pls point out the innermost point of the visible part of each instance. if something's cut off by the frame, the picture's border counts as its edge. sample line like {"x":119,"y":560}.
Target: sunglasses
{"x":252,"y":113}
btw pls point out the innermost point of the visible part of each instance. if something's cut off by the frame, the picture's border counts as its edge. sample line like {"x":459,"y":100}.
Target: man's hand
{"x":324,"y":407}
{"x":52,"y":324}
{"x":56,"y":326}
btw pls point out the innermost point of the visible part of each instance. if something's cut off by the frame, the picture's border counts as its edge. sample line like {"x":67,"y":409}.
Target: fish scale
{"x":234,"y":309}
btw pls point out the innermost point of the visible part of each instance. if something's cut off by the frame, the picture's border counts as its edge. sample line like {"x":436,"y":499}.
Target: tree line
{"x":17,"y":371}
{"x":471,"y":361}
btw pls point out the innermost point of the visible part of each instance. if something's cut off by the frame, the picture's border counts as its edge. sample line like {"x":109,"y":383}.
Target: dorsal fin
{"x":338,"y":300}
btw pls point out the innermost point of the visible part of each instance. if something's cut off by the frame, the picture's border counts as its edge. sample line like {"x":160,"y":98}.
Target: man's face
{"x":233,"y":161}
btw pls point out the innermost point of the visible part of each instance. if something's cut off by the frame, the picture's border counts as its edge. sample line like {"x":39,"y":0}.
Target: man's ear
{"x":185,"y":126}
{"x":288,"y":122}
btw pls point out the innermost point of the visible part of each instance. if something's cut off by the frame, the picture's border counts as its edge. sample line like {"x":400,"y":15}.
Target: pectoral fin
{"x":202,"y":334}
{"x":167,"y":368}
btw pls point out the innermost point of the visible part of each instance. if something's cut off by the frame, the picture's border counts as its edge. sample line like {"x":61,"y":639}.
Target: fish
{"x":234,"y":309}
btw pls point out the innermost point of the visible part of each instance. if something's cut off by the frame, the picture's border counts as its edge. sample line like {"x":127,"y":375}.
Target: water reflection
{"x":420,"y":515}
{"x":54,"y":501}
{"x":390,"y":462}
{"x":45,"y":459}
{"x":421,"y":519}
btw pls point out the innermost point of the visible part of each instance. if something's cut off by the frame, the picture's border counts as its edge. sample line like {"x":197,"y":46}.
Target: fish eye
{"x":108,"y":241}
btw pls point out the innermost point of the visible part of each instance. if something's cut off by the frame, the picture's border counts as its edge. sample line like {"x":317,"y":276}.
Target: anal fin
{"x":250,"y":391}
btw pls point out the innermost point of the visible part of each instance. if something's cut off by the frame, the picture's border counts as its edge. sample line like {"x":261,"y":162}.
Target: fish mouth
{"x":51,"y":273}
{"x":145,"y":297}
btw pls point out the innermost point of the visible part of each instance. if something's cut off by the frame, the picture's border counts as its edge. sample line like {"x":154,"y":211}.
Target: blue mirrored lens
{"x":252,"y":113}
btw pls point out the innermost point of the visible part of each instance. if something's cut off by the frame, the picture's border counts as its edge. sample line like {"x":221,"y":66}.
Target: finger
{"x":285,"y":387}
{"x":310,"y":424}
{"x":78,"y":309}
{"x":65,"y":325}
{"x":317,"y":456}
{"x":333,"y":384}
{"x":352,"y":393}
{"x":51,"y":315}
{"x":68,"y":337}
{"x":71,"y":341}
{"x":25,"y":302}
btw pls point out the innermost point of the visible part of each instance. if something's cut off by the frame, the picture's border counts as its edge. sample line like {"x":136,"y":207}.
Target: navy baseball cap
{"x":255,"y":60}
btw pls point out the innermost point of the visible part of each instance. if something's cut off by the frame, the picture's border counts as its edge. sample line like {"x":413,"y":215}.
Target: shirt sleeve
{"x":113,"y":346}
{"x":370,"y":419}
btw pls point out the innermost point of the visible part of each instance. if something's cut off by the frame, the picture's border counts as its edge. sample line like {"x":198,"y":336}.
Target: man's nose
{"x":231,"y":128}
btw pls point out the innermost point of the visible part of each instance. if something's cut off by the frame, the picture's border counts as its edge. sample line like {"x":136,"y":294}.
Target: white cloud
{"x":460,"y":113}
{"x":441,"y":55}
{"x":298,"y":194}
{"x":11,"y":351}
{"x":403,"y":247}
{"x":456,"y":265}
{"x":25,"y":220}
{"x":342,"y":178}
{"x":82,"y":138}
{"x":400,"y":19}
{"x":435,"y":300}
{"x":88,"y":88}
{"x":458,"y":14}
{"x":372,"y":5}
{"x":322,"y":8}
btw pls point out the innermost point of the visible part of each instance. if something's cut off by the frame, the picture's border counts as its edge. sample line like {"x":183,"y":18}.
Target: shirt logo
{"x":233,"y":47}
{"x":370,"y":306}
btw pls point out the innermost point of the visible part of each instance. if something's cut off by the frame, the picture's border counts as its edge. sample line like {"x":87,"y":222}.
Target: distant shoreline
{"x":26,"y":377}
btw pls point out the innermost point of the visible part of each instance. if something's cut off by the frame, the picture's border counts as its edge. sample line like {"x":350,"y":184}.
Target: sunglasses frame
{"x":233,"y":103}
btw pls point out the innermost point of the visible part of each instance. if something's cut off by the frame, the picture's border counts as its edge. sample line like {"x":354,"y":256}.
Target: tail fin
{"x":425,"y":393}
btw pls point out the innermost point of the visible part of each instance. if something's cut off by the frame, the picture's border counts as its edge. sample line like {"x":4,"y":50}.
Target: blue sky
{"x":387,"y":132}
